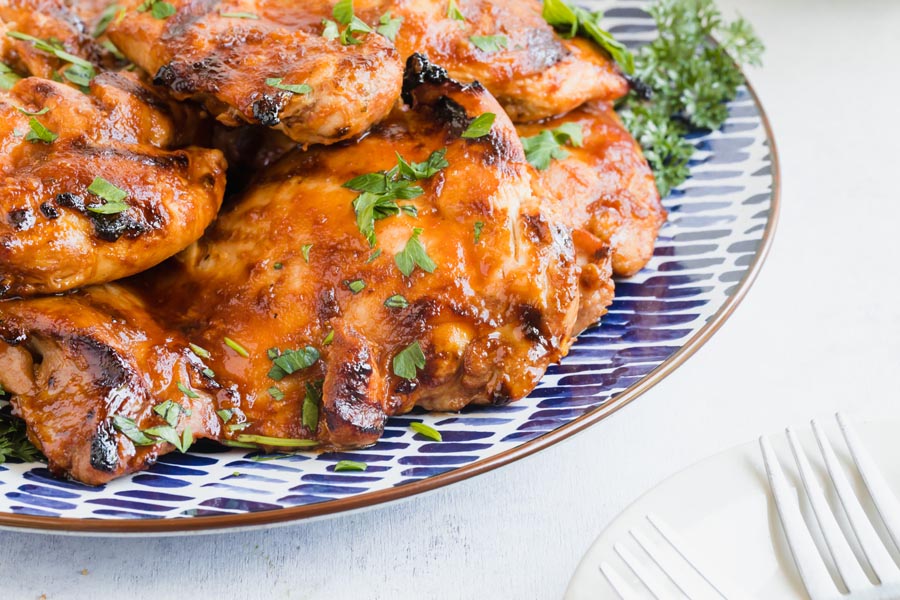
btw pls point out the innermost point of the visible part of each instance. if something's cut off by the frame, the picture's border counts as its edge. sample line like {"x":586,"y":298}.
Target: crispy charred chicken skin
{"x":605,"y":192}
{"x":264,"y":70}
{"x":80,"y":367}
{"x":55,"y":142}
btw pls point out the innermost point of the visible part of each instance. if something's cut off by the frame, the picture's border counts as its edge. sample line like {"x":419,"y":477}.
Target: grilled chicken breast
{"x":58,"y":229}
{"x":604,"y":190}
{"x":508,"y":47}
{"x":86,"y":372}
{"x":289,"y":269}
{"x":264,"y":70}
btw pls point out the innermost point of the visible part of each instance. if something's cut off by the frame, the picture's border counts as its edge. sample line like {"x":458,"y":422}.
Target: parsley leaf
{"x":356,"y":286}
{"x":39,"y":133}
{"x":426,"y":430}
{"x":8,"y":77}
{"x":114,"y":197}
{"x":454,"y":13}
{"x":414,"y":254}
{"x":109,"y":13}
{"x":264,"y":440}
{"x":200,"y":352}
{"x":571,"y":21}
{"x":311,"y":405}
{"x":480,"y":127}
{"x":130,"y":430}
{"x":276,"y":394}
{"x":479,"y":226}
{"x":389,"y":27}
{"x":689,"y":78}
{"x":489,"y":43}
{"x":236,"y":347}
{"x":187,"y":391}
{"x":396,"y":301}
{"x":350,"y":465}
{"x":408,"y":361}
{"x":170,"y":411}
{"x":240,"y":15}
{"x":291,"y":361}
{"x":304,"y":250}
{"x":294,"y":88}
{"x":548,"y":145}
{"x":14,"y":441}
{"x":343,"y":14}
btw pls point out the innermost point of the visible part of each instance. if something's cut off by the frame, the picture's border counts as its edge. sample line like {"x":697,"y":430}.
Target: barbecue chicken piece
{"x":264,"y":70}
{"x":330,"y":309}
{"x":522,"y":61}
{"x":100,"y":386}
{"x":605,"y":191}
{"x":89,"y":190}
{"x":42,"y":26}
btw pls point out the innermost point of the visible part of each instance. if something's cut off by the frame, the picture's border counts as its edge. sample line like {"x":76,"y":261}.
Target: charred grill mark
{"x":267,"y":109}
{"x":49,"y":211}
{"x":70,"y":200}
{"x":501,"y":396}
{"x":419,"y":70}
{"x":182,"y":78}
{"x":110,"y":228}
{"x":133,"y":88}
{"x":536,"y":228}
{"x":327,"y":306}
{"x":104,"y":450}
{"x":22,"y":219}
{"x":349,"y":406}
{"x":532,"y":323}
{"x":109,"y":369}
{"x":453,"y":114}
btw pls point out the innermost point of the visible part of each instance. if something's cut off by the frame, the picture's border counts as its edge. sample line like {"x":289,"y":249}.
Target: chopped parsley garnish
{"x":408,"y":361}
{"x":79,"y":75}
{"x":479,"y":227}
{"x":168,"y":434}
{"x":480,"y":127}
{"x":238,"y":426}
{"x":328,"y":338}
{"x":169,"y":411}
{"x":350,"y":465}
{"x":304,"y":250}
{"x":187,"y":391}
{"x":414,"y":254}
{"x":200,"y":352}
{"x":80,"y":72}
{"x":389,"y":27}
{"x":114,"y":197}
{"x":570,"y":21}
{"x":209,"y":373}
{"x":278,"y":266}
{"x":454,"y":13}
{"x":690,"y":78}
{"x":548,"y":145}
{"x":294,"y":88}
{"x":225,"y":414}
{"x":396,"y":301}
{"x":343,"y":14}
{"x":276,"y":393}
{"x":380,"y":191}
{"x":311,"y":405}
{"x":43,"y":111}
{"x":129,"y":429}
{"x":8,"y":77}
{"x":39,"y":133}
{"x":239,"y":15}
{"x":236,"y":347}
{"x":263,"y":440}
{"x":426,"y":430}
{"x":356,"y":286}
{"x":373,"y":256}
{"x":489,"y":43}
{"x":160,"y":9}
{"x":106,"y":17}
{"x":291,"y":361}
{"x":14,"y":441}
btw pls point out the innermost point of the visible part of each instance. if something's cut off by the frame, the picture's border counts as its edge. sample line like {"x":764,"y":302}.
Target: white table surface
{"x":819,"y":331}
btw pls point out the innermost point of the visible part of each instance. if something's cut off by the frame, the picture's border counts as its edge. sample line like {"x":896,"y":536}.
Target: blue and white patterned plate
{"x":720,"y":224}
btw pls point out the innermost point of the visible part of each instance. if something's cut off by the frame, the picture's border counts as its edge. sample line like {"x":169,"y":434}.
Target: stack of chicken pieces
{"x":374,"y":251}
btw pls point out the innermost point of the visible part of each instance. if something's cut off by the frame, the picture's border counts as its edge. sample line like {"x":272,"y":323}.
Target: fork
{"x":809,"y":561}
{"x":669,"y":565}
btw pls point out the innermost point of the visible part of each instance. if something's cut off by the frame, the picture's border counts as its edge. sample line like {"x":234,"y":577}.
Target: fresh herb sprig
{"x":14,"y":442}
{"x":686,"y":79}
{"x":570,"y":21}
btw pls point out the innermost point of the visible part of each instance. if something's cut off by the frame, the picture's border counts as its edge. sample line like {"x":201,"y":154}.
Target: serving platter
{"x":721,"y":222}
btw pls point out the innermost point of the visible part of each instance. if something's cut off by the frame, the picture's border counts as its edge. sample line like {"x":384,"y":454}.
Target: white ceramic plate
{"x":721,"y":508}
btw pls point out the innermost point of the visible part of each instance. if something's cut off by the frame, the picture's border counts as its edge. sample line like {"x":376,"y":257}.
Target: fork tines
{"x":809,"y":560}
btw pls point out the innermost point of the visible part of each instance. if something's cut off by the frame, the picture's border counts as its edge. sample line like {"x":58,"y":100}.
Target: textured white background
{"x":820,"y":331}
